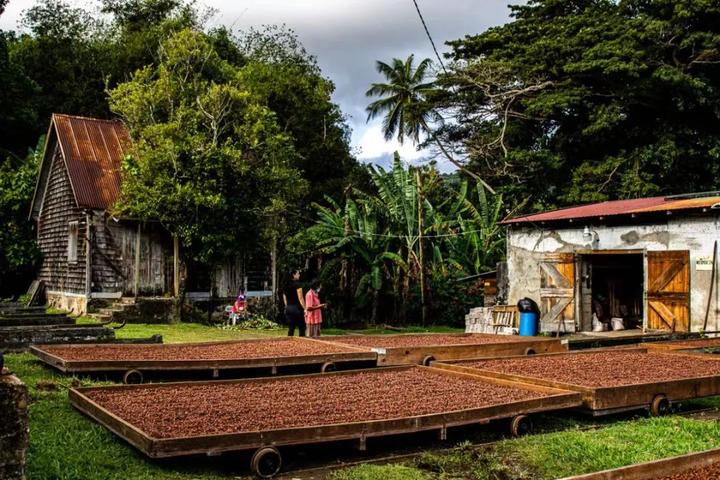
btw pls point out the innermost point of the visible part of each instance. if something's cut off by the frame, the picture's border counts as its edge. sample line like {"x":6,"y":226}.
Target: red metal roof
{"x":618,"y":208}
{"x":93,"y":150}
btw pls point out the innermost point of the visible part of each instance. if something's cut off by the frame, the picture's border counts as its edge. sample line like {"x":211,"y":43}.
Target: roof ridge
{"x":94,"y":119}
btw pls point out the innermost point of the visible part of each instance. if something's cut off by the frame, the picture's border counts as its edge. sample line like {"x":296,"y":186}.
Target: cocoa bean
{"x":604,"y":369}
{"x":180,"y":410}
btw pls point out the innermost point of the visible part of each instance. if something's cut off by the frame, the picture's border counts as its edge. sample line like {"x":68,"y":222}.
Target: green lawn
{"x":66,"y":445}
{"x":194,"y":332}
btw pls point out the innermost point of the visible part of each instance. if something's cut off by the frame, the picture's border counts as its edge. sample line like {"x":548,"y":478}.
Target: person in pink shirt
{"x":313,"y":310}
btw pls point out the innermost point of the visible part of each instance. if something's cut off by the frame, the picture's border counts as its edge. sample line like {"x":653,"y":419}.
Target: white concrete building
{"x":650,"y":262}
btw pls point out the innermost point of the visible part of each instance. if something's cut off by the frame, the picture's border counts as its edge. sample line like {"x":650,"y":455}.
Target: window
{"x":72,"y":242}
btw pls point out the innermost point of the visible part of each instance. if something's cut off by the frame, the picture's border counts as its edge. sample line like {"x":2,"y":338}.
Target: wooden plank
{"x":558,"y":279}
{"x":556,"y":292}
{"x":662,"y":280}
{"x":556,"y":310}
{"x":656,"y":469}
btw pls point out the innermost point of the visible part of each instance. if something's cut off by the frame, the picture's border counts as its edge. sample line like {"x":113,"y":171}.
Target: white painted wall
{"x":527,"y":245}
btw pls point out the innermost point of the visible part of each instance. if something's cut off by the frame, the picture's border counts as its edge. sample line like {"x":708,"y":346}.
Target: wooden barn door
{"x":557,"y":292}
{"x":668,"y":290}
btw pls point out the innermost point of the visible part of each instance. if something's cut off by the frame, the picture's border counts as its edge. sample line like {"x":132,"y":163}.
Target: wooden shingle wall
{"x":114,"y":257}
{"x":57,"y":211}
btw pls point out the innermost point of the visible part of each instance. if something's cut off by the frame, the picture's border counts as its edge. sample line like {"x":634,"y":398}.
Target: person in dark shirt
{"x":294,"y":300}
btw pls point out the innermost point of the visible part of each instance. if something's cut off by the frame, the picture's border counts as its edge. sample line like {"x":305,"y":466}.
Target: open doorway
{"x":611,"y":291}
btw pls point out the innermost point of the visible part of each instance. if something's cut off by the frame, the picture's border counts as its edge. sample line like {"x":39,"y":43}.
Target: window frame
{"x":73,"y":245}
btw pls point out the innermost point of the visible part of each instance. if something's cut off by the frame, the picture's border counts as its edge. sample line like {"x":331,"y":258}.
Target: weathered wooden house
{"x":649,"y":263}
{"x":86,"y":252}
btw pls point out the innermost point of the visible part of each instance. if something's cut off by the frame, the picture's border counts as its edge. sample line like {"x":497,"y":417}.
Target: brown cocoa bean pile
{"x":604,"y":369}
{"x":281,"y":347}
{"x":699,"y":343}
{"x":700,"y":473}
{"x":179,"y":410}
{"x":430,"y":339}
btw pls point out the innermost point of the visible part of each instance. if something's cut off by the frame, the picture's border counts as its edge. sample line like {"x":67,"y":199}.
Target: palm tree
{"x":354,"y":231}
{"x":405,"y":105}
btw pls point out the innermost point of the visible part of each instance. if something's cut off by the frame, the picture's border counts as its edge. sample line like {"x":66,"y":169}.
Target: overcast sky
{"x":347,"y":36}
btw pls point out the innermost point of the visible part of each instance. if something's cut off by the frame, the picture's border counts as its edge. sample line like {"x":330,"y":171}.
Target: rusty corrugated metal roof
{"x":93,"y":150}
{"x":619,"y":208}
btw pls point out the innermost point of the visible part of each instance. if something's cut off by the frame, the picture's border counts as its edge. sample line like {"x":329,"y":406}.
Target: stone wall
{"x":13,"y":427}
{"x":18,"y":339}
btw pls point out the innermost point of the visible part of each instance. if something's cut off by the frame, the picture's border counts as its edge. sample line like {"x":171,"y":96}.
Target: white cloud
{"x":371,"y":144}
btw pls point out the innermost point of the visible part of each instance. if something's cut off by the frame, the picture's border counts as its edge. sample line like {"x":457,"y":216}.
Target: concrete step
{"x":100,"y":317}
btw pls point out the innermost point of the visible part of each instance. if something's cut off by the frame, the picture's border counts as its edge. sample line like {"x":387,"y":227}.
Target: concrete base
{"x":75,"y":303}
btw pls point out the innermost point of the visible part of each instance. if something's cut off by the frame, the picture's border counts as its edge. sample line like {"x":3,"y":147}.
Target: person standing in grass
{"x":313,"y":309}
{"x":294,"y":304}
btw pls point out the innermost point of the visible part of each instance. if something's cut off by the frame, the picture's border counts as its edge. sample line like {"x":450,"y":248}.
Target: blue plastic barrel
{"x":528,"y":324}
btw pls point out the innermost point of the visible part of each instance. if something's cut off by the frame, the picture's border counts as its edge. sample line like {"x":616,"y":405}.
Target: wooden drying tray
{"x":133,"y":368}
{"x":608,"y":400}
{"x":423,"y":355}
{"x":262,"y":441}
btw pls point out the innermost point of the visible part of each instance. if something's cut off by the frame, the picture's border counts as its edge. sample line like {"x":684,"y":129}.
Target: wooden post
{"x":273,"y":260}
{"x":176,"y":266}
{"x":137,"y":262}
{"x":420,"y":248}
{"x":88,"y":256}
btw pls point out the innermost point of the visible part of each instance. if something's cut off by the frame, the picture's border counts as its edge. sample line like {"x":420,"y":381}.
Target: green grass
{"x":380,"y":472}
{"x":575,"y":452}
{"x":191,"y":332}
{"x":195,"y":332}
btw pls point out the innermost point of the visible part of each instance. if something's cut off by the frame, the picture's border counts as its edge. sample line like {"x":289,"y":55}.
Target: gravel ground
{"x":399,"y":341}
{"x":190,"y":410}
{"x":604,"y":369}
{"x":283,"y":347}
{"x":705,"y":473}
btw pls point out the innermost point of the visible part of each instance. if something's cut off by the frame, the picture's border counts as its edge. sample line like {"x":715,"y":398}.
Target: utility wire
{"x":427,"y":32}
{"x":388,"y":235}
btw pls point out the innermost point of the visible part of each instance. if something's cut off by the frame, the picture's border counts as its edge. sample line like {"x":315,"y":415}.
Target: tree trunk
{"x":421,"y":261}
{"x":376,"y":302}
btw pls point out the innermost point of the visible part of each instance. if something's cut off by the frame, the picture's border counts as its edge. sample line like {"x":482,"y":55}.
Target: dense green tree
{"x":587,"y":100}
{"x":209,"y":160}
{"x":17,"y":111}
{"x":60,"y":53}
{"x":288,"y":78}
{"x":18,"y":250}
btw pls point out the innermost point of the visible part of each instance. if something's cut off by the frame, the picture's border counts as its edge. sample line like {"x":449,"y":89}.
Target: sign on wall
{"x":704,"y":263}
